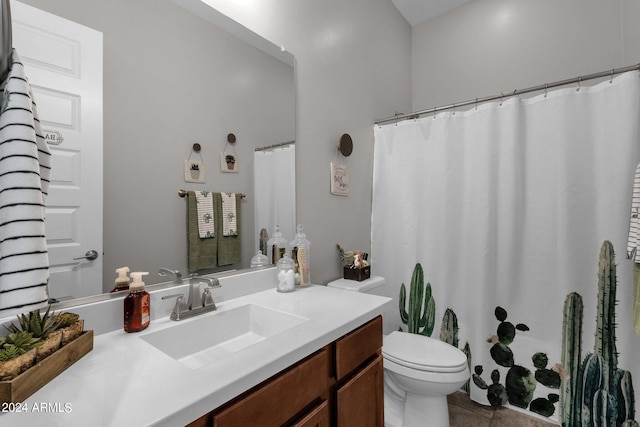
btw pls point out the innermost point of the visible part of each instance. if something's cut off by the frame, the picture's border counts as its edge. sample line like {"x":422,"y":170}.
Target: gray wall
{"x":353,"y":62}
{"x":487,"y":47}
{"x":172,"y":79}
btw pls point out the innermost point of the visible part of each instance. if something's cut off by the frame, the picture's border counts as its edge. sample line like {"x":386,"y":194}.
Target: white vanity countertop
{"x":125,"y":381}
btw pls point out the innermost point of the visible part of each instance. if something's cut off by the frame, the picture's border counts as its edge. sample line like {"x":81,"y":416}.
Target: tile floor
{"x":463,"y":412}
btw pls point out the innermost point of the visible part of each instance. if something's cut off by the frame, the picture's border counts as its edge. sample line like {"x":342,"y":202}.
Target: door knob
{"x":90,"y":255}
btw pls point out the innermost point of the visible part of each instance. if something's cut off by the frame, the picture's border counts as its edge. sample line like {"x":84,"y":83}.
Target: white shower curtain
{"x":507,"y":205}
{"x":275,"y":189}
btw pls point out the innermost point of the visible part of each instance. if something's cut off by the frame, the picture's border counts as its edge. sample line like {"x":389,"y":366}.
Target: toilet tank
{"x":375,"y":285}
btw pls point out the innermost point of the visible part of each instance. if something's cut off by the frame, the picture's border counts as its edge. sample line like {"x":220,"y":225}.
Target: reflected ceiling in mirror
{"x":172,"y":79}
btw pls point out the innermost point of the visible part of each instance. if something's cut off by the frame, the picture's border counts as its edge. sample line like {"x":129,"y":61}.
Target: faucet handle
{"x":179,"y":308}
{"x":207,"y":299}
{"x":213,"y":282}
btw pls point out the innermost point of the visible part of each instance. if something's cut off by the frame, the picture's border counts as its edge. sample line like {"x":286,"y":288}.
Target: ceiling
{"x":417,"y":11}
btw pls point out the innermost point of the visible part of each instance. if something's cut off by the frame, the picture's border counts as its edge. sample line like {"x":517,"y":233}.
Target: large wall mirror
{"x":170,"y":75}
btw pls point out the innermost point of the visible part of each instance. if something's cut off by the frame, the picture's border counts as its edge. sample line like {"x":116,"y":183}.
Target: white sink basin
{"x":202,"y":340}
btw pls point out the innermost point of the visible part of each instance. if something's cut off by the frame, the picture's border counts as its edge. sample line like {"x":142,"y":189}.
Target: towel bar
{"x":183,"y":193}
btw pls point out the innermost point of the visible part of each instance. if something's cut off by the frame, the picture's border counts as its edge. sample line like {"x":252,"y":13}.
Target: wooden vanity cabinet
{"x":358,"y":394}
{"x":339,"y":385}
{"x":317,"y":417}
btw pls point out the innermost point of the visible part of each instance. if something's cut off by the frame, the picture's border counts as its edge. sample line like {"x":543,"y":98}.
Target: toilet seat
{"x":423,"y":353}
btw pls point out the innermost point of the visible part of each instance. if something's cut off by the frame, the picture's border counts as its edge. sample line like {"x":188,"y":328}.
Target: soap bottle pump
{"x":122,"y":281}
{"x":137,"y":305}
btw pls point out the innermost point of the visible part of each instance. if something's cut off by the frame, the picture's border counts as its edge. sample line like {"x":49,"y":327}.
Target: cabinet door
{"x":360,"y":401}
{"x":280,"y":399}
{"x":318,"y":417}
{"x":356,"y":347}
{"x":203,"y":421}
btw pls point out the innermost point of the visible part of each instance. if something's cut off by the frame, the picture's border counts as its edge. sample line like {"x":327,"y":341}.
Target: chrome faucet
{"x":166,"y":272}
{"x":196,"y":303}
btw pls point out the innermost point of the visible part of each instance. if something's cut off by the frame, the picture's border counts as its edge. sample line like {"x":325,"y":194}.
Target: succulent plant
{"x":67,"y":319}
{"x":9,"y":351}
{"x":195,"y":167}
{"x":23,"y":341}
{"x":40,"y":326}
{"x":347,"y":257}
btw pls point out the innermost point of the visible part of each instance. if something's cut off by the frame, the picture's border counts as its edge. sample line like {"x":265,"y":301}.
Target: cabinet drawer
{"x":356,"y":347}
{"x":318,"y":417}
{"x":280,"y":399}
{"x":360,"y":401}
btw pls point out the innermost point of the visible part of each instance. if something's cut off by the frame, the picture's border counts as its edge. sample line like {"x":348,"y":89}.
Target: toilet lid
{"x":423,"y":353}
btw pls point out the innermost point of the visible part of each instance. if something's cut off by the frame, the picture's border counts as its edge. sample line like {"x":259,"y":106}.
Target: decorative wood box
{"x":358,"y":274}
{"x":34,"y":378}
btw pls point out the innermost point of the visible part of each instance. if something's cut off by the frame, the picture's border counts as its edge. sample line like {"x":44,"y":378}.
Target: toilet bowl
{"x":419,"y":371}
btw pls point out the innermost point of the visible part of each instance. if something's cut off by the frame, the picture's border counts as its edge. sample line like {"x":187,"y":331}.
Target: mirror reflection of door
{"x":68,"y":57}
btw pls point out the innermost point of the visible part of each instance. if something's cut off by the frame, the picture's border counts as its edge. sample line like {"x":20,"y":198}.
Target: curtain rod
{"x":545,"y":87}
{"x":269,"y":147}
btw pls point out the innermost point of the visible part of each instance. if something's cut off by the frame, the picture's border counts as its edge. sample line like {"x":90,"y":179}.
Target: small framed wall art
{"x":228,"y":162}
{"x":194,"y":171}
{"x":339,"y":179}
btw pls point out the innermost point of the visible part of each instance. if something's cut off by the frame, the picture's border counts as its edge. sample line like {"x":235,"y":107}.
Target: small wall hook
{"x":345,"y":145}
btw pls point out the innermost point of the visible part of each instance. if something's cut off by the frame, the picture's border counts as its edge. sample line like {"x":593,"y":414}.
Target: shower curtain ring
{"x":454,"y":110}
{"x":546,"y":86}
{"x":476,"y":104}
{"x":501,"y":95}
{"x":611,"y":79}
{"x":579,"y":80}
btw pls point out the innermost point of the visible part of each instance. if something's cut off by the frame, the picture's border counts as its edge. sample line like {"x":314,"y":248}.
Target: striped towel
{"x":206,"y":223}
{"x":633,"y":244}
{"x":25,"y":168}
{"x":633,"y":241}
{"x":229,"y":215}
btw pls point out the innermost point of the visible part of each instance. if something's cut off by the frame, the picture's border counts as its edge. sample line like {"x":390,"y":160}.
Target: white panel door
{"x":63,"y":62}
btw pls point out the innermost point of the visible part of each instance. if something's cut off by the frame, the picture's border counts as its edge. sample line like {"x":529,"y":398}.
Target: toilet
{"x":419,"y":371}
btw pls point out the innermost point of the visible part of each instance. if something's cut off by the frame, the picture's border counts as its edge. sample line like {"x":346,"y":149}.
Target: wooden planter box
{"x":358,"y":274}
{"x":34,"y":378}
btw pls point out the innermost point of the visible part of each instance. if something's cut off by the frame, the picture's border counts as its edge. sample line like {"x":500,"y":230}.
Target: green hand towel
{"x":229,"y":248}
{"x":202,"y":253}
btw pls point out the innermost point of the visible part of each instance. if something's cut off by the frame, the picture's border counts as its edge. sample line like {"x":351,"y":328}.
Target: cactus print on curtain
{"x":505,"y":207}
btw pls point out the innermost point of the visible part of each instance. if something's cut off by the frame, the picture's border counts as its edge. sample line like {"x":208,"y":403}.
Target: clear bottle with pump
{"x":276,"y":246}
{"x":122,"y":281}
{"x":137,"y":305}
{"x":300,"y":255}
